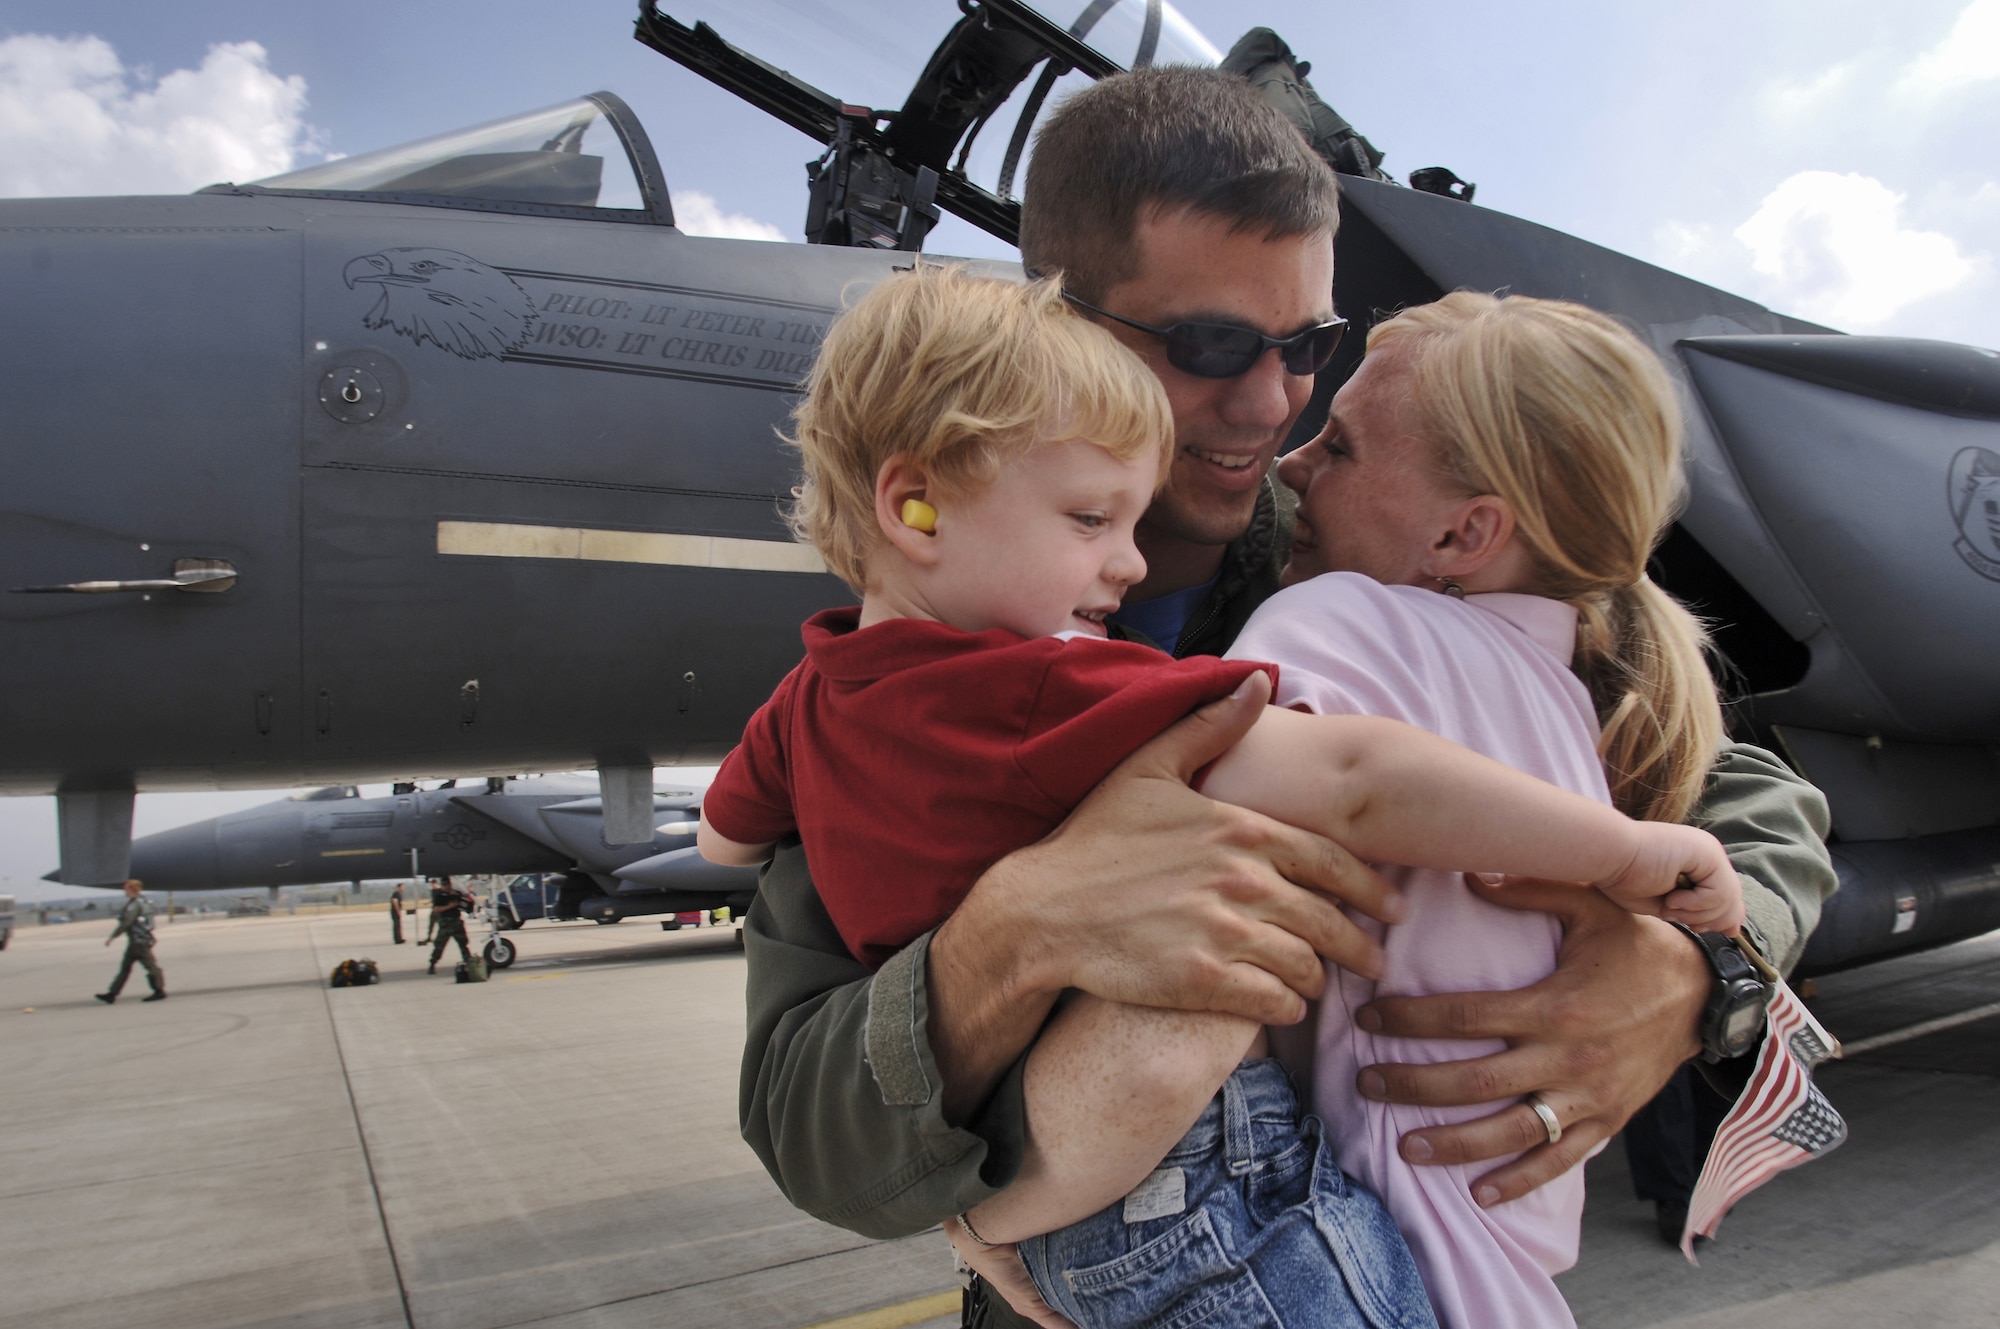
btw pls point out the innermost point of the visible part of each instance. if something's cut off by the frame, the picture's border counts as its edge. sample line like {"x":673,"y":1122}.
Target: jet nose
{"x":369,"y":267}
{"x":182,"y":859}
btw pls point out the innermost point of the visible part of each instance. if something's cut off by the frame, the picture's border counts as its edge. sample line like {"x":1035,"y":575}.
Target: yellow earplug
{"x":919,"y":515}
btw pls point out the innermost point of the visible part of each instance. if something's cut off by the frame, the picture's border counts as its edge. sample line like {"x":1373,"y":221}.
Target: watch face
{"x":1743,"y":1020}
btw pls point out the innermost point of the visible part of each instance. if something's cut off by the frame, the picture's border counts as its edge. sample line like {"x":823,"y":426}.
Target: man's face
{"x":1227,"y":430}
{"x":132,"y":889}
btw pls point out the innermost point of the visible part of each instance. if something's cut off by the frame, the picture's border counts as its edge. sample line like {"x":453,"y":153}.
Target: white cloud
{"x":1682,"y":245}
{"x":1970,"y":53}
{"x":74,"y":120}
{"x":698,"y":214}
{"x":1812,"y":99}
{"x":1834,"y":248}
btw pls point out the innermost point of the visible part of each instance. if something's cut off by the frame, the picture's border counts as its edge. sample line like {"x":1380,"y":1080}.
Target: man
{"x":888,"y":1102}
{"x":448,"y":918}
{"x":396,"y":913}
{"x":135,"y":924}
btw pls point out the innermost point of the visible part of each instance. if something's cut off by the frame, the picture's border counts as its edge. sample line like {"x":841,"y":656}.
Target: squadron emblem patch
{"x":1974,"y":489}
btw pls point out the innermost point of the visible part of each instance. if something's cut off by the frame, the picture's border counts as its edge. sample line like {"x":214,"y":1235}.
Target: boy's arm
{"x":887,"y":1103}
{"x":1392,"y":793}
{"x":719,"y":848}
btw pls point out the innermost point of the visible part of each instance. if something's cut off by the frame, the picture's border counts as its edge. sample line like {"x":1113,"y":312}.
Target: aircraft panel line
{"x":648,"y":371}
{"x":735,"y":297}
{"x":557,"y":481}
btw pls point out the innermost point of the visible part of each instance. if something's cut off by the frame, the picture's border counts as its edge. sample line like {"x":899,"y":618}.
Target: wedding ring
{"x":1548,"y":1116}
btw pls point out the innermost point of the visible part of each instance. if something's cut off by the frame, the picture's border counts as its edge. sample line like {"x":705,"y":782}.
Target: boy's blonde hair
{"x":960,"y":374}
{"x":1572,"y":419}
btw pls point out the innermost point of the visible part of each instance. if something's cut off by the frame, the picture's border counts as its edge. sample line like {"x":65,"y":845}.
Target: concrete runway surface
{"x":558,"y":1148}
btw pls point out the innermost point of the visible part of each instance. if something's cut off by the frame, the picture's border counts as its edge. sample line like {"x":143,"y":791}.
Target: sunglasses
{"x":1225,"y":350}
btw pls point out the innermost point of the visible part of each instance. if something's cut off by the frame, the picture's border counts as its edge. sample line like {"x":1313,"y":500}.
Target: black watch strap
{"x":1732,"y":1020}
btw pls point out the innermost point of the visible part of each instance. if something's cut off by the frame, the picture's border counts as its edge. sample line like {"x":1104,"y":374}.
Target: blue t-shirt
{"x":1163,"y":617}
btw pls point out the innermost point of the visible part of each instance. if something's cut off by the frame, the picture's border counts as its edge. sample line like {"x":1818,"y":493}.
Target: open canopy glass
{"x":570,"y":155}
{"x":873,"y":55}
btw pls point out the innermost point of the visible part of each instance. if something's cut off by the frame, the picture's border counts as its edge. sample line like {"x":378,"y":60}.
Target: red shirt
{"x":909,"y":756}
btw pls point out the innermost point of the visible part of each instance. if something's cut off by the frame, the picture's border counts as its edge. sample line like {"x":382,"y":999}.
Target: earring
{"x":1451,"y":588}
{"x":919,"y":516}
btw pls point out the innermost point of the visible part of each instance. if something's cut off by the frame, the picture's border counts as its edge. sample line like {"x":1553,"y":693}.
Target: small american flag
{"x":1780,"y":1120}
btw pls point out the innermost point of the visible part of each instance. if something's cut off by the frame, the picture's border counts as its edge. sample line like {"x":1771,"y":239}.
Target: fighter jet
{"x":458,"y":456}
{"x":546,"y":824}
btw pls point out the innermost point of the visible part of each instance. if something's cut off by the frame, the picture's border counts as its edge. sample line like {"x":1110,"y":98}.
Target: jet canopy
{"x":986,"y":73}
{"x":584,"y":156}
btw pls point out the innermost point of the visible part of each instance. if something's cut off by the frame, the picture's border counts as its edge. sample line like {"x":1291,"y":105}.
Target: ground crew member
{"x":448,"y":918}
{"x":135,"y":924}
{"x":396,"y":913}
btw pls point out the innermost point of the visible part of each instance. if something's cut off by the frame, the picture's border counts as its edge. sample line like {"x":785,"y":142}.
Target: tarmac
{"x":558,"y":1148}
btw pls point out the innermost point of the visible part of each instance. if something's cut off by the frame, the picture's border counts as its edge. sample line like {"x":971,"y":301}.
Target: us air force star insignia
{"x":459,"y":836}
{"x":1974,"y":490}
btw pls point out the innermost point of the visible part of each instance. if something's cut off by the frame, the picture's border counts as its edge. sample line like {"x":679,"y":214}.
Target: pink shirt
{"x":1490,"y":672}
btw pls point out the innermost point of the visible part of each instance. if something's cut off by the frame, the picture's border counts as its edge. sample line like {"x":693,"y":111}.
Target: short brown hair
{"x":961,"y":374}
{"x":1162,"y":140}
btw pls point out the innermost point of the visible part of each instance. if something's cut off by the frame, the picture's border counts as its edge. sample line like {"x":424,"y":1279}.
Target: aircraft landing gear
{"x":497,"y":912}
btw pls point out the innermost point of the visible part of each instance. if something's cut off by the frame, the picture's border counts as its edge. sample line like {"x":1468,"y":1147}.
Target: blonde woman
{"x":1469,"y":557}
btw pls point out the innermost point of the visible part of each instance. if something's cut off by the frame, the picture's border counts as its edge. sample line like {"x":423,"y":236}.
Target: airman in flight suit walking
{"x":135,"y":924}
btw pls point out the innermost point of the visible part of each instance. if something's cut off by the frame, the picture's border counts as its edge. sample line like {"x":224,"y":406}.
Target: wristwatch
{"x":1733,"y":1020}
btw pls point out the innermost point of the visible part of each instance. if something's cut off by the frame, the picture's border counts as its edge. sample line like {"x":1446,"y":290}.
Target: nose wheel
{"x":500,"y":953}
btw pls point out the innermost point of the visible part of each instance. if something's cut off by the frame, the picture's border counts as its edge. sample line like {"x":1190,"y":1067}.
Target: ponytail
{"x":1640,"y":652}
{"x":1570,"y":418}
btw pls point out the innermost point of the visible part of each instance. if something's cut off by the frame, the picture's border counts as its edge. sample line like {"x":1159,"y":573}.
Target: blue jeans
{"x":1248,"y":1222}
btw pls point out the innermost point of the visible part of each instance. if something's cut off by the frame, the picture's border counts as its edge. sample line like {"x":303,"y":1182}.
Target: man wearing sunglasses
{"x":1197,"y":225}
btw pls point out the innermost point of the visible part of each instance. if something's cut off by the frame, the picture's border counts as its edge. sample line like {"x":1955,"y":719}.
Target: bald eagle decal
{"x":445,"y":298}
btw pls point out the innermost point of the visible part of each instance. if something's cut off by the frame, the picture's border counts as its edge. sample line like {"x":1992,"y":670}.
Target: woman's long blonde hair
{"x":1570,"y":418}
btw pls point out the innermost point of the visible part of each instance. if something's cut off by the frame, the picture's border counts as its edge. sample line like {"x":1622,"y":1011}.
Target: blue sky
{"x":1833,"y":158}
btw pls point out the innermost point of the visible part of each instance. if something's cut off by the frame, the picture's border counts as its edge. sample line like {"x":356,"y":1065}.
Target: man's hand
{"x":1595,"y":1041}
{"x":1004,"y":1272}
{"x":1153,"y":895}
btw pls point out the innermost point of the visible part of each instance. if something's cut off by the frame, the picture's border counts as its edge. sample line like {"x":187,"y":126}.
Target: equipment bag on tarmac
{"x":355,"y":974}
{"x":471,"y":971}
